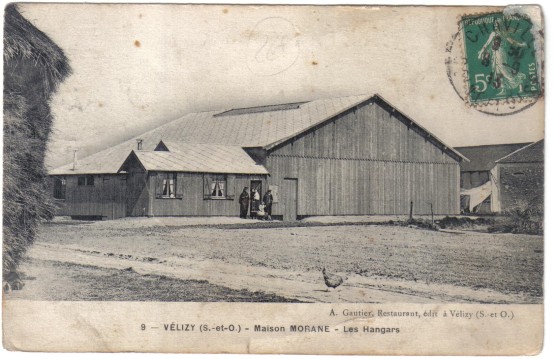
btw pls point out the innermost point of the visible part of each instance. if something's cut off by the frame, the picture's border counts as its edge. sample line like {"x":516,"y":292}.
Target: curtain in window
{"x":164,"y":187}
{"x":168,"y":184}
{"x":221,"y":186}
{"x":217,"y":186}
{"x":171,"y":187}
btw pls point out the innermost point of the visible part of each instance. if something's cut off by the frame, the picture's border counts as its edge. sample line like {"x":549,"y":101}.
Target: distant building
{"x":354,"y":155}
{"x":489,"y":178}
{"x":521,"y":177}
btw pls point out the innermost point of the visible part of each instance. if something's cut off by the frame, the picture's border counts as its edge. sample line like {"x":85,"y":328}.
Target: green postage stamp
{"x":501,"y":61}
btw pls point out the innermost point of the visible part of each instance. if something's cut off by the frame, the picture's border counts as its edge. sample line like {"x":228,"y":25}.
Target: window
{"x":218,"y":186}
{"x":59,"y":187}
{"x":85,"y":180}
{"x":168,"y":185}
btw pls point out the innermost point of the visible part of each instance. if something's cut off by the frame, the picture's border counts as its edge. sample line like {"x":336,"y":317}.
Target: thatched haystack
{"x":33,"y":68}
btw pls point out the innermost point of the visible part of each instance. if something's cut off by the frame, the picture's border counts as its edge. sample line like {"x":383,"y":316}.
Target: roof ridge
{"x":518,"y":150}
{"x":199,"y":143}
{"x":497,"y":144}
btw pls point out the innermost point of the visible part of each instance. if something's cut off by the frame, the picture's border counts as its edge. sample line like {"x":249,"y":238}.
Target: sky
{"x":138,"y":66}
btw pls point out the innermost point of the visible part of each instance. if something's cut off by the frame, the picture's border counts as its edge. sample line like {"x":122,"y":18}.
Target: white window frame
{"x":169,"y":185}
{"x":218,"y":181}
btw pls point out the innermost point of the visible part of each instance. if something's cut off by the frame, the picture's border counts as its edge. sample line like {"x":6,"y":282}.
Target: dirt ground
{"x":380,"y":263}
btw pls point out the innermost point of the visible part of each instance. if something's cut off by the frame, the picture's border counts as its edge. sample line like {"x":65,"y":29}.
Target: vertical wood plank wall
{"x":366,"y":162}
{"x":193,"y":202}
{"x":107,"y":198}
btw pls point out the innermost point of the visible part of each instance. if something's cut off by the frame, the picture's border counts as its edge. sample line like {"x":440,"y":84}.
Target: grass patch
{"x":74,"y":282}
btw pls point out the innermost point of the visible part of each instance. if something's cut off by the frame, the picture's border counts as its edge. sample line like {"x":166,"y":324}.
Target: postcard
{"x":186,"y":178}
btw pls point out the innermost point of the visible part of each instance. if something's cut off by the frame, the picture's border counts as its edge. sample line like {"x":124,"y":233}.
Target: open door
{"x":254,"y":204}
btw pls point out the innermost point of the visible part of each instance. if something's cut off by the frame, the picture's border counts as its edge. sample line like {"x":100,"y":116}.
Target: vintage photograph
{"x":273,"y":154}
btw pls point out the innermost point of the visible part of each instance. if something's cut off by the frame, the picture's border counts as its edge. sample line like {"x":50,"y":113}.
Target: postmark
{"x":273,"y":46}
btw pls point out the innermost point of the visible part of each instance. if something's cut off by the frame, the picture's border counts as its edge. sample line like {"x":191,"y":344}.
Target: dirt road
{"x":381,"y":263}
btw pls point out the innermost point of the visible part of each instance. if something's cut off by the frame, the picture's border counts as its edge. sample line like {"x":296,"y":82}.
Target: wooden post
{"x":411,"y":210}
{"x":432,"y":215}
{"x":74,"y":159}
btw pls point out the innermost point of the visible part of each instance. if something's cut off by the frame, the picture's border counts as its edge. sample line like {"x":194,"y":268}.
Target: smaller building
{"x":487,"y":179}
{"x":521,"y":175}
{"x":193,"y":175}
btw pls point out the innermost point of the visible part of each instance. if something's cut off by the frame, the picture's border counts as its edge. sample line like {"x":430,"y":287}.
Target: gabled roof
{"x":533,"y":152}
{"x":193,"y":157}
{"x":483,"y":158}
{"x":263,"y":126}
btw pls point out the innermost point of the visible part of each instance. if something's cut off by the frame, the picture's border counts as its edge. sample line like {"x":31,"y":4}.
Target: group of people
{"x":260,"y":210}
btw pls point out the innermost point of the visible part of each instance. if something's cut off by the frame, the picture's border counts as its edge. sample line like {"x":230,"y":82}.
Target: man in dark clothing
{"x":268,"y":202}
{"x":244,"y":201}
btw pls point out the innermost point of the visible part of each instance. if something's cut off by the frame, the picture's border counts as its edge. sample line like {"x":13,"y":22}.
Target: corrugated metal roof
{"x":483,"y":158}
{"x":249,"y":129}
{"x":533,"y":152}
{"x":195,"y":157}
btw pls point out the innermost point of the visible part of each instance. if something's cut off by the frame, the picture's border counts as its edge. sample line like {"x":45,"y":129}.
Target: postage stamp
{"x":500,"y":56}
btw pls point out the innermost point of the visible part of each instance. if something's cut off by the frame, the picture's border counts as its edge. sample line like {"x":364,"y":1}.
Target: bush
{"x":33,"y":68}
{"x":527,"y":217}
{"x":464,"y":222}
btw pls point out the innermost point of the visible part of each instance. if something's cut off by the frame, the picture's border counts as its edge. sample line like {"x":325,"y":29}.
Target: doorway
{"x":255,"y":185}
{"x":290,"y":199}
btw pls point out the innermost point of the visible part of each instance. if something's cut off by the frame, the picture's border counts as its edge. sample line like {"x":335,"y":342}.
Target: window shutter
{"x":207,"y":185}
{"x":165,"y":187}
{"x":179,"y":185}
{"x":159,"y":185}
{"x":230,"y":186}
